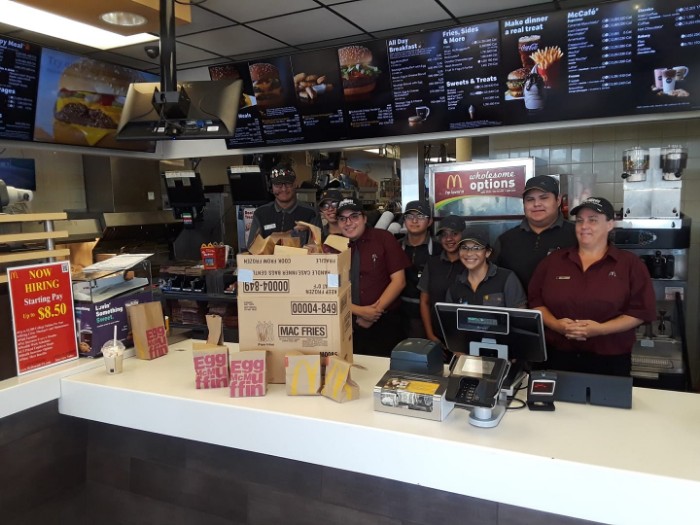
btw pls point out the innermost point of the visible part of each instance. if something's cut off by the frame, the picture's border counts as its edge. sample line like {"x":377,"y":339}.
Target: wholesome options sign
{"x":480,"y":189}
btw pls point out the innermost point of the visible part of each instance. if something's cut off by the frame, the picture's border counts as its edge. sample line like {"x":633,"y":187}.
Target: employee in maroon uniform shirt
{"x":377,"y":273}
{"x":592,"y":297}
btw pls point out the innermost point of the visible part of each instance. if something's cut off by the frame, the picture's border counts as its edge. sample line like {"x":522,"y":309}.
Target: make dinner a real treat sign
{"x":41,"y":300}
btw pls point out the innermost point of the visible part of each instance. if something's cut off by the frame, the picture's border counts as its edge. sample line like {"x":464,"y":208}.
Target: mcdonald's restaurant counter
{"x":602,"y":464}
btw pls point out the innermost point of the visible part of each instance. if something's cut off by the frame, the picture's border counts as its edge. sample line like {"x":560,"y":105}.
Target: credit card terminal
{"x":476,"y":380}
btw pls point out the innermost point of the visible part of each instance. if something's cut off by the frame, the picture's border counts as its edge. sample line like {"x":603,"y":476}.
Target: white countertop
{"x":609,"y":465}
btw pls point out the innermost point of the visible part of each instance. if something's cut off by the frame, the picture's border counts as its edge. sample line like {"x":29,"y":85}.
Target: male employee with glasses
{"x":328,"y":206}
{"x":482,"y":282}
{"x":281,"y":214}
{"x":377,"y":274}
{"x":419,"y":246}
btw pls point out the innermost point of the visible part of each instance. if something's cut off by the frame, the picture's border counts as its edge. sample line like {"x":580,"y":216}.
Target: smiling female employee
{"x":377,"y":273}
{"x":482,"y":282}
{"x":592,"y":297}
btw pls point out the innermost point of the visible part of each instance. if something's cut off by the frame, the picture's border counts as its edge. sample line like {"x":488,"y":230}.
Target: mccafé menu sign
{"x":613,"y":59}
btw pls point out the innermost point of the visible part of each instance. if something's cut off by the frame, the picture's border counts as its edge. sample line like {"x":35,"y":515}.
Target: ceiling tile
{"x":377,"y":15}
{"x":309,"y":26}
{"x":202,"y":20}
{"x":460,"y":8}
{"x":248,"y":10}
{"x":229,"y":41}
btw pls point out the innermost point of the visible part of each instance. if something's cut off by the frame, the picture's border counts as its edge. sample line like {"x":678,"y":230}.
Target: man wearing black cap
{"x":377,"y":274}
{"x":281,"y":214}
{"x":439,"y":272}
{"x":418,"y":245}
{"x":542,"y":231}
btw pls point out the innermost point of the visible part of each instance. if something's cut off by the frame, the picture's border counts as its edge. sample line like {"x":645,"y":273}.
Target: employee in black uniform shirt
{"x":281,"y":214}
{"x":439,"y":272}
{"x":542,"y":231}
{"x":482,"y":282}
{"x":419,"y":246}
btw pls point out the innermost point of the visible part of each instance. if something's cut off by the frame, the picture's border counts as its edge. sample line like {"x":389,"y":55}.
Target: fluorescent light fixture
{"x":59,"y":27}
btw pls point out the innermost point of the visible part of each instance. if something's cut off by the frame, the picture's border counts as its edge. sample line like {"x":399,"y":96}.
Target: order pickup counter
{"x":602,"y":464}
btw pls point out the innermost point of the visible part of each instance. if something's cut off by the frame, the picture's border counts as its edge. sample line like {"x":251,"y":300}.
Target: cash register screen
{"x":520,"y":329}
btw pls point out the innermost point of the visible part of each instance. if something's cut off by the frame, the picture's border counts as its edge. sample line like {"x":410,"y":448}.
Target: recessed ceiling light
{"x":123,"y":18}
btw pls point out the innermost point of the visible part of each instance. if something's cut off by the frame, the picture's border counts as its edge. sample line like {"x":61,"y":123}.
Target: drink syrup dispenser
{"x":652,"y":182}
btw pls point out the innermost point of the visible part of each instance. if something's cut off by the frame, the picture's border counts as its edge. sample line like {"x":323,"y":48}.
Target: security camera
{"x":152,"y":51}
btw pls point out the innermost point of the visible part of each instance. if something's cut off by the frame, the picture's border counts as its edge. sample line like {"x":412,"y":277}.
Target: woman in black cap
{"x":592,"y":297}
{"x":482,"y":282}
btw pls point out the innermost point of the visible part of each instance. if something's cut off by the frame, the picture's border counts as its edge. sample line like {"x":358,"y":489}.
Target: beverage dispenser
{"x":652,"y":182}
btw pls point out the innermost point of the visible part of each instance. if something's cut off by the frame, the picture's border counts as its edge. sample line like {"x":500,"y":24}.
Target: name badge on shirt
{"x":271,"y":226}
{"x":563,"y":277}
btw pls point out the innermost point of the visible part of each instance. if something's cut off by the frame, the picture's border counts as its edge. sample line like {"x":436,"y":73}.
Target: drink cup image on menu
{"x":527,"y":45}
{"x":669,"y":81}
{"x":659,"y":78}
{"x":422,"y":112}
{"x":681,"y":72}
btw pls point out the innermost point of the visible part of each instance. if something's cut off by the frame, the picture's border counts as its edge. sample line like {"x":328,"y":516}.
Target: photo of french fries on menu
{"x":547,"y":62}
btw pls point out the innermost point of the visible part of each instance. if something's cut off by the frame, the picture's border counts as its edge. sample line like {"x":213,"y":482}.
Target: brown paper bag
{"x":338,"y":385}
{"x":267,"y":245}
{"x":303,"y":374}
{"x":211,"y":367}
{"x":148,"y":326}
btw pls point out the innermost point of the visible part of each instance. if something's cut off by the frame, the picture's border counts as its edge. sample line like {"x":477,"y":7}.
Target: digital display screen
{"x":483,"y":321}
{"x":19,"y":71}
{"x":80,"y":101}
{"x":476,"y":367}
{"x":615,"y":59}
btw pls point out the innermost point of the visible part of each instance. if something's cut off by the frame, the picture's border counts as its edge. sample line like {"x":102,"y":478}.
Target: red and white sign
{"x":480,"y":189}
{"x":41,"y":299}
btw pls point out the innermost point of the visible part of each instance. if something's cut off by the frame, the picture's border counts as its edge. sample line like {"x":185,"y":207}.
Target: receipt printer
{"x":418,"y":356}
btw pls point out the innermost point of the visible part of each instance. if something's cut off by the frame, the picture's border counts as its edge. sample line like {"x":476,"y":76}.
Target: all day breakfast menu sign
{"x":41,"y":300}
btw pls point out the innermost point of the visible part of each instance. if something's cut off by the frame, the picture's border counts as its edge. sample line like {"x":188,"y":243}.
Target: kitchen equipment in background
{"x":652,"y":182}
{"x":660,"y":355}
{"x":674,"y":159}
{"x":635,"y":163}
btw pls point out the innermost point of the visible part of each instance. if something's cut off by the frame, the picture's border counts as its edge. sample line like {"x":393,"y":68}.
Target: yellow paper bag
{"x":303,"y":374}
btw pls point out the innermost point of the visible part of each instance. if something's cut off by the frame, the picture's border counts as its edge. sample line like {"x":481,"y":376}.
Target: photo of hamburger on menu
{"x":358,"y":73}
{"x":516,"y":82}
{"x":88,"y":105}
{"x":267,"y":87}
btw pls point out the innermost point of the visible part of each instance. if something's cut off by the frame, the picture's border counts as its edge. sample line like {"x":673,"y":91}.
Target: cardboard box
{"x":312,"y":325}
{"x":316,"y":275}
{"x":96,"y":322}
{"x":413,"y":395}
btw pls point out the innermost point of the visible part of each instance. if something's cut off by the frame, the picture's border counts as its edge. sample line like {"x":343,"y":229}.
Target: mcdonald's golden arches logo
{"x":453,"y":180}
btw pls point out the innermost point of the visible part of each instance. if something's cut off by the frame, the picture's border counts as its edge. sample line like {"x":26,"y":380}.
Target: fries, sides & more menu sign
{"x":41,"y":299}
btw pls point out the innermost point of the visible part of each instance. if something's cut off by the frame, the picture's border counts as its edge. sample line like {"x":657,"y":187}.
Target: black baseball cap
{"x":331,"y":195}
{"x":451,"y":222}
{"x":282,"y":176}
{"x":418,"y":207}
{"x":598,"y":205}
{"x":349,"y":204}
{"x":544,"y":183}
{"x":475,"y":237}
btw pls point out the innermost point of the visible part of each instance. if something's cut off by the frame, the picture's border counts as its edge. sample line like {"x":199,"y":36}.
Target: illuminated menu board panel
{"x":610,"y":60}
{"x":614,"y":59}
{"x":19,"y":69}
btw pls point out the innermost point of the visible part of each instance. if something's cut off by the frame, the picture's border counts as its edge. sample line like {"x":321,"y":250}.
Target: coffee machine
{"x":653,"y":227}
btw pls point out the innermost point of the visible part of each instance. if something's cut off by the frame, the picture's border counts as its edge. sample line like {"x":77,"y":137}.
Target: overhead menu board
{"x":19,"y":70}
{"x":613,"y":59}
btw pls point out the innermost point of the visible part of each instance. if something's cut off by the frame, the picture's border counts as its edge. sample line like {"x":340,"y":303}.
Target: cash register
{"x":494,"y":347}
